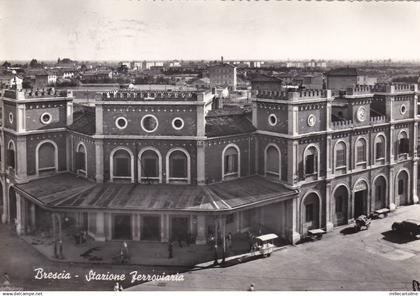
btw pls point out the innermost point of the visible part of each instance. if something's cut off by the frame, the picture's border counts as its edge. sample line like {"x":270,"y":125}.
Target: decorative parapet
{"x":36,"y":93}
{"x":151,"y":95}
{"x":359,"y":90}
{"x":294,"y":94}
{"x":377,"y":119}
{"x":395,"y":88}
{"x":342,"y":124}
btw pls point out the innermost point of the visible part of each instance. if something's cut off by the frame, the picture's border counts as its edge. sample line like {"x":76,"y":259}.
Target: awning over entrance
{"x":67,"y":191}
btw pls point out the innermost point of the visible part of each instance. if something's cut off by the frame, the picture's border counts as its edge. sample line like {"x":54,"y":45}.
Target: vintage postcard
{"x":209,"y":146}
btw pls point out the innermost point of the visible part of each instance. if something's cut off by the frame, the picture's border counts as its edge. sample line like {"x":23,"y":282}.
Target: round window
{"x":11,"y":117}
{"x":403,"y":109}
{"x":149,"y":123}
{"x":121,"y":122}
{"x":46,"y":118}
{"x":177,"y":123}
{"x":272,"y":119}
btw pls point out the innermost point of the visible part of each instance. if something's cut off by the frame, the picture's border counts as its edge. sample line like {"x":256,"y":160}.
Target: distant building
{"x":341,"y":78}
{"x":366,"y":80}
{"x":223,"y":75}
{"x":265,"y":82}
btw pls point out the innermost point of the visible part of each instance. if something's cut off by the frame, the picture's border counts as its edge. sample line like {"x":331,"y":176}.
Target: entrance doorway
{"x":360,"y":203}
{"x":122,"y":227}
{"x":402,"y":189}
{"x":150,"y":228}
{"x":180,"y":228}
{"x":310,"y":213}
{"x":340,"y":201}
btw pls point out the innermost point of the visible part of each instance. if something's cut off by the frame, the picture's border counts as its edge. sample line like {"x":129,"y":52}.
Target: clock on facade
{"x":311,"y":120}
{"x":361,"y":114}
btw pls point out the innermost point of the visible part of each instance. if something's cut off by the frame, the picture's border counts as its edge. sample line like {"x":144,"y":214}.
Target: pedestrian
{"x":170,"y":249}
{"x":229,"y":241}
{"x":124,"y":252}
{"x":216,"y":262}
{"x":251,"y":287}
{"x":118,"y":287}
{"x":6,"y":279}
{"x":60,"y":249}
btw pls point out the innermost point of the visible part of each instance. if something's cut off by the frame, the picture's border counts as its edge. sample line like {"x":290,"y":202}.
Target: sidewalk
{"x":141,"y":253}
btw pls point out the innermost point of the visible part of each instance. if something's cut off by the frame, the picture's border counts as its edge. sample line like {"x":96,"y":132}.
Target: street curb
{"x":210,"y":263}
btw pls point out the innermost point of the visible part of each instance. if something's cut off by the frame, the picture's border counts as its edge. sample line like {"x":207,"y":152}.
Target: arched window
{"x":46,"y":156}
{"x":178,"y":165}
{"x":11,"y":163}
{"x":403,"y":143}
{"x":311,"y":161}
{"x":81,"y":159}
{"x":361,"y":151}
{"x":122,"y":167}
{"x":380,"y":147}
{"x":150,"y":166}
{"x":230,"y":161}
{"x":272,"y":160}
{"x":340,"y":155}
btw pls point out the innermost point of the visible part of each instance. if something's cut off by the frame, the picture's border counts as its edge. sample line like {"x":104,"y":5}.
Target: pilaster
{"x":99,"y":157}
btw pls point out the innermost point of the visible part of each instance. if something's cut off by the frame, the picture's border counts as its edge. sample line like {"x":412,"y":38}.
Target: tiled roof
{"x":68,"y":191}
{"x":224,"y":125}
{"x":84,"y":120}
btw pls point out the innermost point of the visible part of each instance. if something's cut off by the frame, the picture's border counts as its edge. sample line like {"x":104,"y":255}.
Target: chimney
{"x":222,"y":59}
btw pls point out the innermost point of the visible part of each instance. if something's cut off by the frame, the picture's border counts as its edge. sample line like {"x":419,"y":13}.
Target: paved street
{"x":357,"y":261}
{"x":19,"y":259}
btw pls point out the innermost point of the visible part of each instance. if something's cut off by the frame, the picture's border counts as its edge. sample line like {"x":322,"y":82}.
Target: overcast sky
{"x":138,"y":30}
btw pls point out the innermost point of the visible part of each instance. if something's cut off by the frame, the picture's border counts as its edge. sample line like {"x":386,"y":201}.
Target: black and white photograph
{"x":211,"y":145}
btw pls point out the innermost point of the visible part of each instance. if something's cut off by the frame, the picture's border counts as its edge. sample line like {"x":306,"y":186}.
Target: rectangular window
{"x":231,"y":164}
{"x":11,"y":158}
{"x":150,"y":167}
{"x":400,"y":186}
{"x":309,"y":213}
{"x":179,"y":168}
{"x":122,"y":167}
{"x":310,"y":164}
{"x":361,"y":154}
{"x":340,"y":158}
{"x":80,"y":161}
{"x":380,"y":153}
{"x":404,"y":146}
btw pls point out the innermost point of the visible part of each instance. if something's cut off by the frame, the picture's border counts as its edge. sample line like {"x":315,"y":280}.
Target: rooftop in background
{"x":66,"y":191}
{"x":347,"y":71}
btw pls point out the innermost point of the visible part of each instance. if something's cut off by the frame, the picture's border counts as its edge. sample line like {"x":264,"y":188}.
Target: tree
{"x":6,"y":64}
{"x":34,"y":63}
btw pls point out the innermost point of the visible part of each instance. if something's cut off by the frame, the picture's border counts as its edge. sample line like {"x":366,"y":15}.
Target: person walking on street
{"x":170,"y":249}
{"x":6,"y":279}
{"x":251,"y":287}
{"x":124,"y":252}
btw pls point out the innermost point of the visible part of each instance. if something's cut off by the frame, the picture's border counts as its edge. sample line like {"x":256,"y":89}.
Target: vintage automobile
{"x":360,"y":222}
{"x":264,"y":245}
{"x":409,"y":226}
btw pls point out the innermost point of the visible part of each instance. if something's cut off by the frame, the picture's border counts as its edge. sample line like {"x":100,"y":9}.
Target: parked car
{"x":409,"y":226}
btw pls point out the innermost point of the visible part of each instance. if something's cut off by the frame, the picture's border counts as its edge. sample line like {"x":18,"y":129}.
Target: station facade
{"x":162,"y":165}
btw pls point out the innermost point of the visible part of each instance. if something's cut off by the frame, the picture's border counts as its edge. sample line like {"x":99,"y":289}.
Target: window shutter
{"x":11,"y":158}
